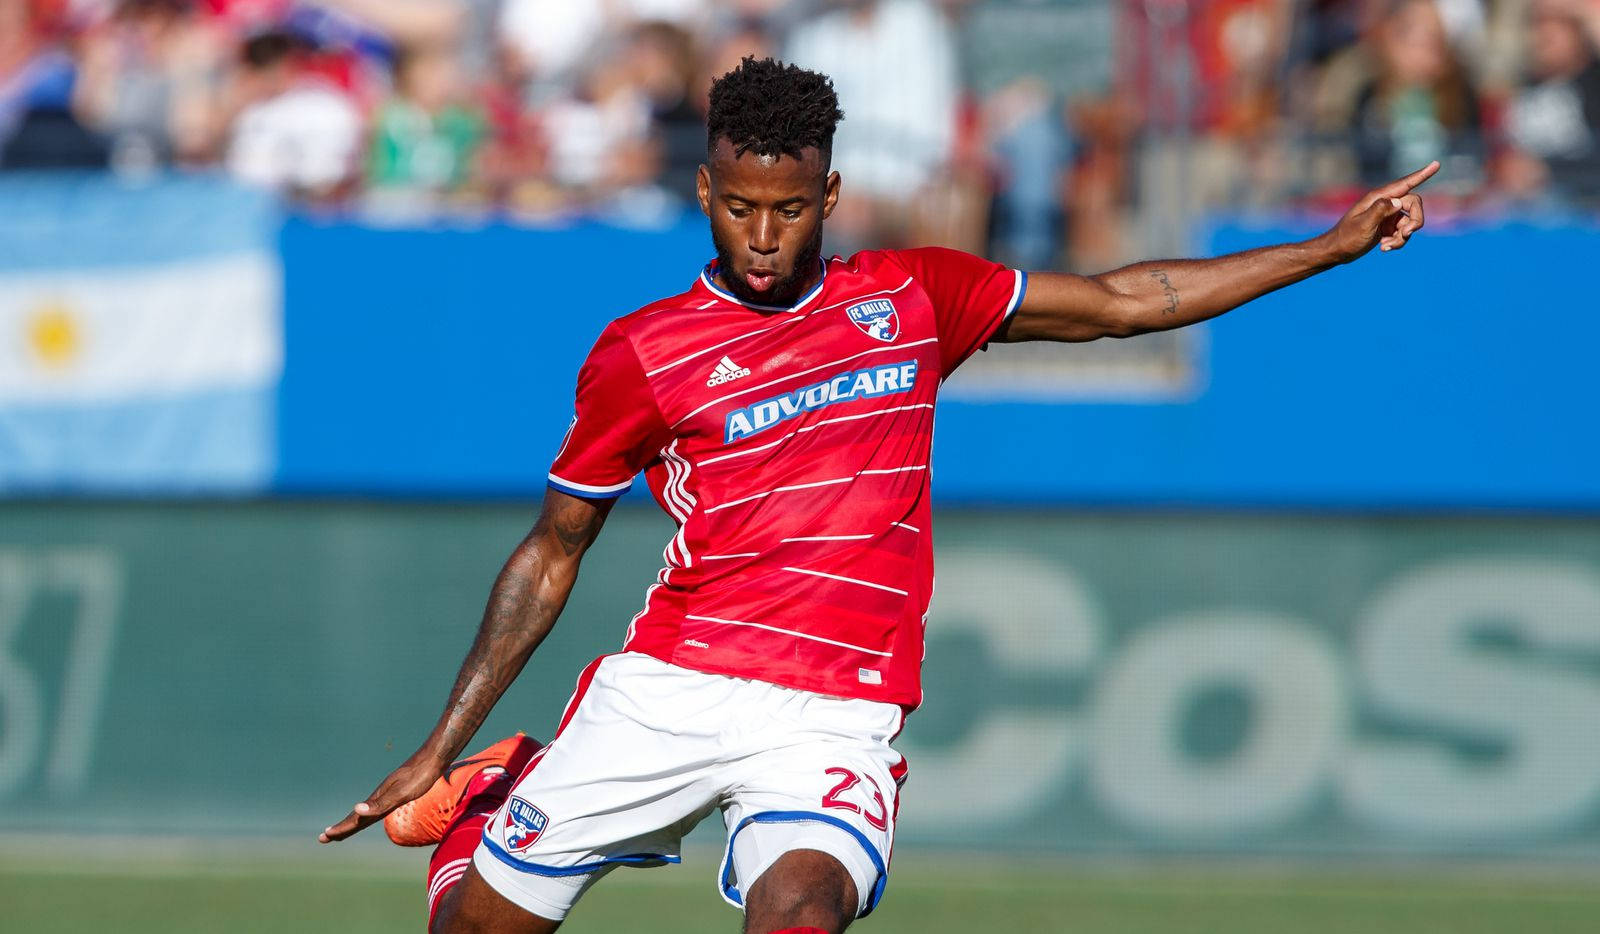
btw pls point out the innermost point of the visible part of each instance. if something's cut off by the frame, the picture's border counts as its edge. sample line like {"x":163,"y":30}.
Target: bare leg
{"x":472,"y":907}
{"x":804,"y":888}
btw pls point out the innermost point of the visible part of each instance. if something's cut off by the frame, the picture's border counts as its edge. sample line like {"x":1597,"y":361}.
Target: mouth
{"x":760,"y":278}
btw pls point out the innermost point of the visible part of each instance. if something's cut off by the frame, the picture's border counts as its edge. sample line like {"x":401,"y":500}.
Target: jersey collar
{"x":707,"y":279}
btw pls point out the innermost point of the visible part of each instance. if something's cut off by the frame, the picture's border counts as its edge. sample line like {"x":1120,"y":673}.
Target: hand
{"x":404,"y":784}
{"x":1385,"y":217}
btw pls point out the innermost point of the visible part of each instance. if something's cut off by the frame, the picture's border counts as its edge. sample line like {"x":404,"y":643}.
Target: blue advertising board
{"x":1448,"y":376}
{"x":179,"y":337}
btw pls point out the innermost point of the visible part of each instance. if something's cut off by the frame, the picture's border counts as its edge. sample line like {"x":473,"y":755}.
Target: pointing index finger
{"x":1403,"y":186}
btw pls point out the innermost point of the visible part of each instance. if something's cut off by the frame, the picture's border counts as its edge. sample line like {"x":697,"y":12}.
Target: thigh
{"x":615,"y":787}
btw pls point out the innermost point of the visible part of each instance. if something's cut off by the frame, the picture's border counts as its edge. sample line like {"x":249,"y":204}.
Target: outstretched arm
{"x":527,"y":597}
{"x":1159,"y":296}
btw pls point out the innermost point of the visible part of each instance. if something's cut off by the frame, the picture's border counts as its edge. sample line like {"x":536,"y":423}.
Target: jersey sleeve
{"x":617,"y":428}
{"x":972,"y":297}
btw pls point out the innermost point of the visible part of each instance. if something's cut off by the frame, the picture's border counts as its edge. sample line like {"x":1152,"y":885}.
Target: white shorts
{"x":646,"y":750}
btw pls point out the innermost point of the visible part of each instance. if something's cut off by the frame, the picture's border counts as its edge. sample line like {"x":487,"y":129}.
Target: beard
{"x":784,"y":292}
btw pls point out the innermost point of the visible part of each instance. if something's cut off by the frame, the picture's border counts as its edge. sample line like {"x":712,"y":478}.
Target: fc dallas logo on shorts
{"x":876,"y":317}
{"x":523,"y":824}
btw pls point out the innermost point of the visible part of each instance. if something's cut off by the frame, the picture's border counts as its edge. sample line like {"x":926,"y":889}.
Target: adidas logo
{"x":726,"y":372}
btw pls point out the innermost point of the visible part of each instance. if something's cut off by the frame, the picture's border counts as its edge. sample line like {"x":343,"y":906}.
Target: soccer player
{"x":781,"y":410}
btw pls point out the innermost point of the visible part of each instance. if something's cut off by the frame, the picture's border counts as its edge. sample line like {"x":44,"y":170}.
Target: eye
{"x":738,"y":212}
{"x":790,"y":213}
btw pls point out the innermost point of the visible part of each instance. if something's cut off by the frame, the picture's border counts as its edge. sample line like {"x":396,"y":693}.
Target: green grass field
{"x":211,"y":894}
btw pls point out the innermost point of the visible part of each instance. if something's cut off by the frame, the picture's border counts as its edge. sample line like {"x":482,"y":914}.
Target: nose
{"x":764,"y":234}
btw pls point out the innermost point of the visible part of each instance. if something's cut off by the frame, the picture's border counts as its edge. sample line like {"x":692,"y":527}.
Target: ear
{"x":702,"y":189}
{"x":830,"y":194}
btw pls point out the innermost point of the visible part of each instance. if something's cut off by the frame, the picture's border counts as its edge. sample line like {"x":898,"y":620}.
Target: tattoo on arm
{"x":527,"y":597}
{"x":576,"y":528}
{"x":1168,"y":289}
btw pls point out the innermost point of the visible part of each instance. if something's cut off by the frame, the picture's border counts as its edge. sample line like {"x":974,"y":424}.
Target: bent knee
{"x":804,"y":887}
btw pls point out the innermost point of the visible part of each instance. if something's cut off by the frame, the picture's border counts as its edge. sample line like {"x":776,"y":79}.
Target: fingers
{"x":363,"y":814}
{"x":1407,"y":220}
{"x":404,"y":784}
{"x":1412,"y":206}
{"x":359,"y":817}
{"x":1402,"y":186}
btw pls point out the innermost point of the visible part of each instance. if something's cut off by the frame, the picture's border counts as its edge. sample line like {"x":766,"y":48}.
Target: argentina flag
{"x":140,"y":336}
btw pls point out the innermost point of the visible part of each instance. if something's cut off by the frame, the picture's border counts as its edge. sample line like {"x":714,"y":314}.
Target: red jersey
{"x":791,"y":446}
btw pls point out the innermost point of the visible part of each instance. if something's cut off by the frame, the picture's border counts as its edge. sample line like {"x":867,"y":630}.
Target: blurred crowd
{"x":1044,"y":132}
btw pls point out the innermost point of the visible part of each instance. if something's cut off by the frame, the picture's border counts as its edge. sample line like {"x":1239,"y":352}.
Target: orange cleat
{"x":423,"y":822}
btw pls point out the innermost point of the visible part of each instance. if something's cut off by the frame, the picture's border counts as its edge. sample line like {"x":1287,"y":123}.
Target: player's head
{"x":766,"y":184}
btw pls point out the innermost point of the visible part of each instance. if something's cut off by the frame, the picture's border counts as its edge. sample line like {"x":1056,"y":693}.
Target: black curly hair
{"x":770,"y":108}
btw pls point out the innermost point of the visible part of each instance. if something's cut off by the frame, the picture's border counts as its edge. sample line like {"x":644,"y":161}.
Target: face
{"x":1556,"y":41}
{"x":766,"y":220}
{"x":428,"y":79}
{"x":1414,"y":47}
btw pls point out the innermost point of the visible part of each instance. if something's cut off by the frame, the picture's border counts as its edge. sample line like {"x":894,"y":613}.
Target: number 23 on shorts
{"x":876,"y":814}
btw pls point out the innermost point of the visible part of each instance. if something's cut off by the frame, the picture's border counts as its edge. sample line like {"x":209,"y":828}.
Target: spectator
{"x":1554,"y":121}
{"x":1203,"y":80}
{"x":38,"y":128}
{"x":662,"y":60}
{"x":722,"y":54}
{"x":1323,"y":29}
{"x":893,"y":63}
{"x":512,"y":163}
{"x":1241,"y":49}
{"x":424,"y":139}
{"x":1210,"y":66}
{"x":1419,"y":106}
{"x":599,"y":136}
{"x":294,"y":131}
{"x":552,"y":38}
{"x":557,"y":37}
{"x":1032,"y":148}
{"x":149,"y":79}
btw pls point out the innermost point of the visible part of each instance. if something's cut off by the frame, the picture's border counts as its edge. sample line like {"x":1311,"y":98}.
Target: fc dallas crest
{"x":877,"y":318}
{"x":523,"y":824}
